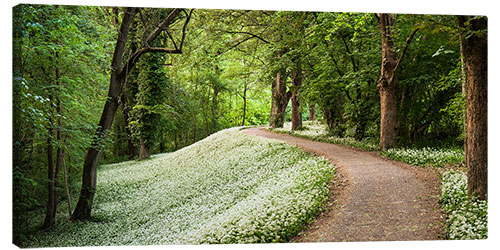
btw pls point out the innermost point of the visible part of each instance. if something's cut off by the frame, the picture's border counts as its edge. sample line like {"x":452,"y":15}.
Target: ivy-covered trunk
{"x":279,"y":100}
{"x":119,"y":71}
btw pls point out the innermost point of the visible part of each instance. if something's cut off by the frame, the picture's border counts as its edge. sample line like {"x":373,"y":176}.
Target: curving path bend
{"x":371,"y":198}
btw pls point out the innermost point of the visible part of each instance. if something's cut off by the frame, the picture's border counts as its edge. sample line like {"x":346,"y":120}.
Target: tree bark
{"x":118,"y":76}
{"x":312,"y":112}
{"x":388,"y":82}
{"x":89,"y":177}
{"x":66,"y":187}
{"x":280,"y":99}
{"x":244,"y":105}
{"x":144,"y":153}
{"x":296,"y":113}
{"x":49,"y":212}
{"x":214,"y":108}
{"x":52,"y":201}
{"x":475,"y":61}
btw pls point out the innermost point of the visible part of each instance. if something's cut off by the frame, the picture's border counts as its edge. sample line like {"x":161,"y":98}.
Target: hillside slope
{"x":227,"y":188}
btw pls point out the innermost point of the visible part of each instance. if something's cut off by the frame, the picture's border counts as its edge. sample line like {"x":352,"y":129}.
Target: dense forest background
{"x":225,"y":68}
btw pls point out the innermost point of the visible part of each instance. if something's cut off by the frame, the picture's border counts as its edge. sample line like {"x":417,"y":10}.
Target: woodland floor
{"x":371,"y":198}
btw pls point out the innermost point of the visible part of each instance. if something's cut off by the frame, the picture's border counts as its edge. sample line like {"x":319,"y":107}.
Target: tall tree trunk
{"x":214,"y":109}
{"x":464,"y":92}
{"x":59,"y":151}
{"x":204,"y":112}
{"x":119,"y":72}
{"x":131,"y":148}
{"x":195,"y":127}
{"x":280,"y":99}
{"x":296,"y":113}
{"x":244,"y":105}
{"x":52,"y":201}
{"x":175,"y":141}
{"x":66,"y":187}
{"x":312,"y":112}
{"x":388,"y":82}
{"x":89,"y":177}
{"x":475,"y":59}
{"x":49,"y":218}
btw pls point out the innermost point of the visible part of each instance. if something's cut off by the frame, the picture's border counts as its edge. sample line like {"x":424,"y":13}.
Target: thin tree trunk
{"x":59,"y":155}
{"x":214,"y":109}
{"x":296,"y":113}
{"x":244,"y":105}
{"x":66,"y":187}
{"x":175,"y":141}
{"x":49,"y":219}
{"x":144,"y":153}
{"x":89,"y":176}
{"x":204,"y":112}
{"x":312,"y":112}
{"x":194,"y":114}
{"x":475,"y":60}
{"x":50,"y":215}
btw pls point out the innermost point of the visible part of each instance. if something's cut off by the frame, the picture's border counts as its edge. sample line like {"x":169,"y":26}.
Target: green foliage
{"x":467,"y":217}
{"x":56,"y":63}
{"x":224,"y":75}
{"x":147,"y":119}
{"x":344,"y":62}
{"x":423,"y":94}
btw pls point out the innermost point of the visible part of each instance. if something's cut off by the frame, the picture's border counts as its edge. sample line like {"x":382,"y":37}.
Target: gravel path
{"x":371,"y":198}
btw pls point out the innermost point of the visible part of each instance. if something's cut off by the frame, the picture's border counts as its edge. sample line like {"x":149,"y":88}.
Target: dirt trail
{"x":372,"y":199}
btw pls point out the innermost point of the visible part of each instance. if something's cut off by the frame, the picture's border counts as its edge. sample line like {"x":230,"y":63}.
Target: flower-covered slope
{"x":227,"y":188}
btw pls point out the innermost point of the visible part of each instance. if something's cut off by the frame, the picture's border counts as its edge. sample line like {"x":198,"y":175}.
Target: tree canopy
{"x":170,"y":77}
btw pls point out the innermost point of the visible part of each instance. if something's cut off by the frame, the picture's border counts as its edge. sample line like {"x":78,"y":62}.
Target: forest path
{"x":372,"y":198}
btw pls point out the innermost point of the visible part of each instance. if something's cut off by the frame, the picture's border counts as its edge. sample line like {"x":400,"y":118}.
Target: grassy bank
{"x":227,"y":188}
